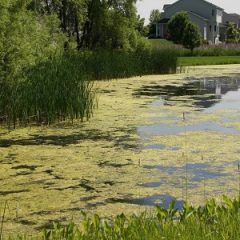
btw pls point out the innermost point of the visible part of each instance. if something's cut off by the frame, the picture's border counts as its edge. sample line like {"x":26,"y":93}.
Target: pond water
{"x":152,"y":140}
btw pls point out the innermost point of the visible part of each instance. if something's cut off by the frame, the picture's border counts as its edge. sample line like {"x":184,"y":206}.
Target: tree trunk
{"x":77,"y":32}
{"x":64,"y":15}
{"x":47,"y":6}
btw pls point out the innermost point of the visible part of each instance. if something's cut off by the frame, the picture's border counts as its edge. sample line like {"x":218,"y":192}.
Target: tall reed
{"x":61,"y":87}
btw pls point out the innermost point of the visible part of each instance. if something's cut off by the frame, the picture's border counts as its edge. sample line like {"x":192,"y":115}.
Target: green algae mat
{"x":152,"y":139}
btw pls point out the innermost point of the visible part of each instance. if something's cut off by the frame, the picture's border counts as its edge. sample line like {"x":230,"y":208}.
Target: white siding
{"x":219,"y":16}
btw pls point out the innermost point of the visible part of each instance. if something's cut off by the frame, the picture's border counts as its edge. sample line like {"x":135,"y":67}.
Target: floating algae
{"x":122,"y":159}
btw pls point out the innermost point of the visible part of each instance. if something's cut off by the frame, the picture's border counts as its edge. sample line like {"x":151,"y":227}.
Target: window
{"x":219,"y":13}
{"x":210,"y":28}
{"x":213,"y":12}
{"x":215,"y":28}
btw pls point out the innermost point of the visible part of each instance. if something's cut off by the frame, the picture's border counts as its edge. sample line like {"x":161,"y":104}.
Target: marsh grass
{"x":61,"y":88}
{"x":211,"y":221}
{"x":239,"y":180}
{"x":204,"y":50}
{"x":215,"y":50}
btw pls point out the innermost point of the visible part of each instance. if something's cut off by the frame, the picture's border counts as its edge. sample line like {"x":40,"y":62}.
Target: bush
{"x":176,"y":26}
{"x":191,"y":36}
{"x":233,"y":35}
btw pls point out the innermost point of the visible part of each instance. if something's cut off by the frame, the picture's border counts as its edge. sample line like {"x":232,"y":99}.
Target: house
{"x":227,"y":18}
{"x":210,"y":18}
{"x":231,"y":17}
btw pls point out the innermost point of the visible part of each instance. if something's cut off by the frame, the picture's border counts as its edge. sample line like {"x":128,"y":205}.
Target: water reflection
{"x":196,"y":172}
{"x":167,"y":129}
{"x":207,"y":96}
{"x":204,"y":94}
{"x":157,"y":199}
{"x":204,"y":91}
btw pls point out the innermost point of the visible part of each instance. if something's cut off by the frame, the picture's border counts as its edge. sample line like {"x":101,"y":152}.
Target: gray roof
{"x":197,"y":15}
{"x":164,"y":20}
{"x":167,"y":6}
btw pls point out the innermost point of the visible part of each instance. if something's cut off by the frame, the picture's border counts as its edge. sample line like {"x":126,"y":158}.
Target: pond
{"x":152,"y":139}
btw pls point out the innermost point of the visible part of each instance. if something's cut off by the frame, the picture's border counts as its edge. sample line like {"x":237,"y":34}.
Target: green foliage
{"x":177,"y":25}
{"x":191,"y":36}
{"x":142,"y":30}
{"x":40,"y":82}
{"x":25,"y":38}
{"x":60,"y":87}
{"x":232,"y":34}
{"x":155,"y":16}
{"x":162,"y":43}
{"x":212,"y":221}
{"x":93,"y":23}
{"x":112,"y":26}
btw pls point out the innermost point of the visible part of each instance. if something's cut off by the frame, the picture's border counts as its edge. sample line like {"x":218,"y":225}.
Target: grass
{"x":213,"y":221}
{"x":160,"y":43}
{"x":208,"y":60}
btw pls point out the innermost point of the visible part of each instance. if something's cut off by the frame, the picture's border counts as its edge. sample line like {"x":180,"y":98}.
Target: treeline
{"x":51,"y":50}
{"x":33,"y":30}
{"x":94,"y":24}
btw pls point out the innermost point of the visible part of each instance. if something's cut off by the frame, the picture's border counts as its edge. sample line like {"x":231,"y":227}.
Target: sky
{"x":145,"y":6}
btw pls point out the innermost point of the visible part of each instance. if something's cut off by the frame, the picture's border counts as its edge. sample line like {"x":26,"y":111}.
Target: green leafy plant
{"x":177,"y":25}
{"x":191,"y":37}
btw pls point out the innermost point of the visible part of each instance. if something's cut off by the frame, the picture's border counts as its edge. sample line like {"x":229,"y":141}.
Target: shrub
{"x":233,"y":35}
{"x":177,"y":25}
{"x":191,"y":36}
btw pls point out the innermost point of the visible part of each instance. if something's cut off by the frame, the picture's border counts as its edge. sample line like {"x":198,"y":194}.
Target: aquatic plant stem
{"x":204,"y":185}
{"x":239,"y":180}
{"x":185,"y":157}
{"x":2,"y":221}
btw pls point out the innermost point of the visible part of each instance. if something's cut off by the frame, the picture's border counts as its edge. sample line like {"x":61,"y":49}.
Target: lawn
{"x":212,"y":60}
{"x":160,"y":43}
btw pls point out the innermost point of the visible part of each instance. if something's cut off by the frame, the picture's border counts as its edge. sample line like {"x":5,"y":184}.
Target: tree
{"x":155,"y":16}
{"x":25,"y":41}
{"x":232,"y":34}
{"x":191,"y":36}
{"x":93,"y":23}
{"x":25,"y":38}
{"x":176,"y":26}
{"x":143,"y":30}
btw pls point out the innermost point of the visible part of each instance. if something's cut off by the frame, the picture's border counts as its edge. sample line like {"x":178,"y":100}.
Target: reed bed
{"x":52,"y":90}
{"x":61,"y":88}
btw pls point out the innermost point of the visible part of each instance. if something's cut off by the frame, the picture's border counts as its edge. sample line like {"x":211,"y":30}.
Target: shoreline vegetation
{"x":47,"y":67}
{"x":214,"y":221}
{"x":60,"y":88}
